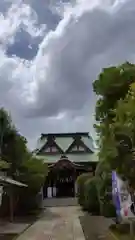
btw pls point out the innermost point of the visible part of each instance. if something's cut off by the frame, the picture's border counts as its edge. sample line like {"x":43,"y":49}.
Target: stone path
{"x":57,"y":223}
{"x":60,"y":202}
{"x":12,"y":228}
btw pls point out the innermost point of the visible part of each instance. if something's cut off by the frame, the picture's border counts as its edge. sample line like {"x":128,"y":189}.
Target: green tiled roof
{"x":65,"y":142}
{"x":41,"y":143}
{"x":89,"y":143}
{"x":87,"y":157}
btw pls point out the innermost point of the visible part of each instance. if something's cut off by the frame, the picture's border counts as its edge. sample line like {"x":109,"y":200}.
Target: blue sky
{"x":51,"y":51}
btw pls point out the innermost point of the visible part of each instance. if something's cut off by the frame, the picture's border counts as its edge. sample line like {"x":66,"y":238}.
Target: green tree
{"x":111,"y":86}
{"x":18,"y":161}
{"x":13,"y":148}
{"x":33,"y":173}
{"x":14,"y":151}
{"x":4,"y":165}
{"x":124,"y":123}
{"x":115,"y":115}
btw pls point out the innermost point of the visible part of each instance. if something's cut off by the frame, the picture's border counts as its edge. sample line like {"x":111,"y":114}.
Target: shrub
{"x":108,"y":209}
{"x":34,"y":172}
{"x":80,"y":187}
{"x":26,"y":207}
{"x":91,"y":196}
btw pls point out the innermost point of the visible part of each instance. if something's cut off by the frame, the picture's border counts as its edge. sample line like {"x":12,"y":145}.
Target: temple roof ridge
{"x":65,"y":134}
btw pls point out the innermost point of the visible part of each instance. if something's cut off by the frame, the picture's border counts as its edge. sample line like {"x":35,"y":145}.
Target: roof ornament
{"x":63,"y":157}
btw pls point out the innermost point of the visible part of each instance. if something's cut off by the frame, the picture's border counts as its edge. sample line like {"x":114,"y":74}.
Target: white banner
{"x":125,"y":207}
{"x":1,"y":194}
{"x":49,"y":192}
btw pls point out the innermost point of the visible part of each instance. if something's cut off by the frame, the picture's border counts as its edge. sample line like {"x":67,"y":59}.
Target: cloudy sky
{"x":51,"y":51}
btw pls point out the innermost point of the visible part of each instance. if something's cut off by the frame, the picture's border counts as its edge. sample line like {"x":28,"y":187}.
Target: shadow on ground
{"x":8,"y":236}
{"x":10,"y":230}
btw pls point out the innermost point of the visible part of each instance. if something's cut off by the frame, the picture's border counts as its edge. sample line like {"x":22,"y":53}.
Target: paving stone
{"x":13,"y":228}
{"x":57,"y":223}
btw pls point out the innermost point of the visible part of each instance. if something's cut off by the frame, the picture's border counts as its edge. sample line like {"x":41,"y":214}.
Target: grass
{"x":120,"y":232}
{"x":92,"y":229}
{"x":117,"y":236}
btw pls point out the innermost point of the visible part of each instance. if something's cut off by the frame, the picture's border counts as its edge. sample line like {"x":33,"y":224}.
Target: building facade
{"x":68,"y":155}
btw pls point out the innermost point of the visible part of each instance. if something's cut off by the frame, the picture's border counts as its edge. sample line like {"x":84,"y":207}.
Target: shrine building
{"x":68,"y":155}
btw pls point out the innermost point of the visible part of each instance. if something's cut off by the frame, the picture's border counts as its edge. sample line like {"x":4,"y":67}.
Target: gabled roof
{"x":53,"y":143}
{"x":44,"y":135}
{"x":64,"y":140}
{"x":77,"y":143}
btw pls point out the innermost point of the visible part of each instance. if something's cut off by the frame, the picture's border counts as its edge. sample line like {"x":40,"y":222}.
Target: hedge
{"x":91,"y":196}
{"x":108,"y":209}
{"x":80,"y":187}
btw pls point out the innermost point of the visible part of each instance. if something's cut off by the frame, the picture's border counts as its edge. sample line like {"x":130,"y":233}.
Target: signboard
{"x":125,"y":207}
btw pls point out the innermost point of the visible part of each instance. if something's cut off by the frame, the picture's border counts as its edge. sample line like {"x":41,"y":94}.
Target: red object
{"x":125,"y":212}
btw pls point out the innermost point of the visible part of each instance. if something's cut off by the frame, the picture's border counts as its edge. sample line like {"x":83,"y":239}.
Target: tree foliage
{"x":33,"y":173}
{"x":124,"y":122}
{"x":80,"y":188}
{"x":91,"y":196}
{"x":16,"y":159}
{"x":115,"y":114}
{"x":12,"y":145}
{"x":112,"y":85}
{"x":4,"y":165}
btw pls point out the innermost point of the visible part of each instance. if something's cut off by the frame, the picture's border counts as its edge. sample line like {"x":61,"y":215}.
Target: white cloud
{"x":19,"y":15}
{"x":57,"y":83}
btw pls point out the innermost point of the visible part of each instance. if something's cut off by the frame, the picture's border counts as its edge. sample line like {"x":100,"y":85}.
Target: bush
{"x":26,"y":207}
{"x":34,"y":172}
{"x":80,"y":187}
{"x":108,"y":209}
{"x":94,"y":194}
{"x":91,"y":196}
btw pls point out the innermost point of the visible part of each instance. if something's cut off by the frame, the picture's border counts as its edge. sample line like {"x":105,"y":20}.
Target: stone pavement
{"x":57,"y":223}
{"x":60,"y":202}
{"x":12,"y":228}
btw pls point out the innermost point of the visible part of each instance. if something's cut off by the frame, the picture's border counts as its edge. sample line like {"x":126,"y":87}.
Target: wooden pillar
{"x":76,"y":188}
{"x":11,"y":202}
{"x":75,"y":176}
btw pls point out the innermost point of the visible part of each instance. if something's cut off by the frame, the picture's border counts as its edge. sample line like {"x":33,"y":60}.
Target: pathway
{"x":60,"y":202}
{"x":57,"y":223}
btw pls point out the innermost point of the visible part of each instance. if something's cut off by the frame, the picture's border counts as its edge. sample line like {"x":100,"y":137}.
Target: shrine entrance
{"x":61,"y":179}
{"x":64,"y":178}
{"x":65,"y":183}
